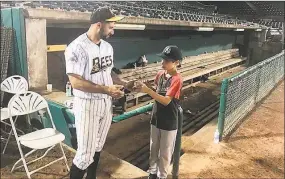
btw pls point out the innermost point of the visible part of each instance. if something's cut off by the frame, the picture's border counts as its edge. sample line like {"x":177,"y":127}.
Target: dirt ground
{"x":255,"y":150}
{"x":55,"y":171}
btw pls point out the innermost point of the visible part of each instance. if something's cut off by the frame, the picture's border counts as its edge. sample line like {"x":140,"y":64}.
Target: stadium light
{"x":129,"y":26}
{"x":208,"y":29}
{"x":239,"y":30}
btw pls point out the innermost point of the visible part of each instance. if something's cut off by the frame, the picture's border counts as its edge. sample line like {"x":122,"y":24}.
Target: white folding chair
{"x":27,"y":103}
{"x":13,"y":85}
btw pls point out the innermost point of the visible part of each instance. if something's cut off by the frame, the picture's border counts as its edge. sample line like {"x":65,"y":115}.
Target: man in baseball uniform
{"x":89,"y":63}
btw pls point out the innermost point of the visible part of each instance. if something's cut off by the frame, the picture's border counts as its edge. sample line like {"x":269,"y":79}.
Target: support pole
{"x":176,"y":154}
{"x":222,"y":109}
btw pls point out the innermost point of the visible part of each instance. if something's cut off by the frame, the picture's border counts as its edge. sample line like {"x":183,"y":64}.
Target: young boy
{"x":165,"y":112}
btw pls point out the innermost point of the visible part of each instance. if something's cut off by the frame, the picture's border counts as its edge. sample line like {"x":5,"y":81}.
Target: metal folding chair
{"x":27,"y":103}
{"x":13,"y":85}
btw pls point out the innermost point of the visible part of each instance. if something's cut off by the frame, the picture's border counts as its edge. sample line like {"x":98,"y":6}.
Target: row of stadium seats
{"x":183,"y":11}
{"x":270,"y":8}
{"x":235,"y":8}
{"x":273,"y":8}
{"x":189,"y":7}
{"x":270,"y":23}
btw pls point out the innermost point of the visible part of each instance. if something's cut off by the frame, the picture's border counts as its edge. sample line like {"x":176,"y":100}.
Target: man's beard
{"x":102,"y":36}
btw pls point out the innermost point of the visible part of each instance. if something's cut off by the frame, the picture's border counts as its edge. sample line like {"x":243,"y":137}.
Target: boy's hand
{"x":141,"y":87}
{"x":149,"y":84}
{"x":130,"y":85}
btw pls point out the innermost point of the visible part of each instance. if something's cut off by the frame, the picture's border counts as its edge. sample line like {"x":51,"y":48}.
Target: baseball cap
{"x":171,"y":53}
{"x":104,"y":14}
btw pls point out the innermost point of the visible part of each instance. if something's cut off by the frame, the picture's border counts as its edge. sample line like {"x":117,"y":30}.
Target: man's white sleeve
{"x":75,"y":60}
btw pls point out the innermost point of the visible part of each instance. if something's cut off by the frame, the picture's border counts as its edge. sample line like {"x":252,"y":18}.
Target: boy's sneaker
{"x":152,"y":176}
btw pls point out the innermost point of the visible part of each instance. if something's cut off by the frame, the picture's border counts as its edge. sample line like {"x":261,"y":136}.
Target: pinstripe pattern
{"x":92,"y":121}
{"x":93,"y":111}
{"x":80,"y":55}
{"x":162,"y":144}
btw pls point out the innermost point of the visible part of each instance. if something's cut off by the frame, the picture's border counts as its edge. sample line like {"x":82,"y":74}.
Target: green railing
{"x":241,"y":92}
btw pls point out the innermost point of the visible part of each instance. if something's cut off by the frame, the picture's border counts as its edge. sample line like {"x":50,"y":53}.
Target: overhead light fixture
{"x":208,"y":29}
{"x":129,"y":27}
{"x":239,"y":30}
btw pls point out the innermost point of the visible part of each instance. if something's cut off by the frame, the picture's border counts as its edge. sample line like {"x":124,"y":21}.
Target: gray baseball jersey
{"x":92,"y":111}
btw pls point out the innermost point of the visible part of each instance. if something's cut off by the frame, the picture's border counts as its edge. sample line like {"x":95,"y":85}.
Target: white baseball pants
{"x":162,"y":145}
{"x":93,"y":118}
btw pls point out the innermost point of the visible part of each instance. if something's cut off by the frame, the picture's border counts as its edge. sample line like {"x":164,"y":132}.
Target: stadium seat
{"x":181,"y":10}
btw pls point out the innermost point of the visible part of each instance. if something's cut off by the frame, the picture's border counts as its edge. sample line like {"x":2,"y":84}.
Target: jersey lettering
{"x":101,"y":64}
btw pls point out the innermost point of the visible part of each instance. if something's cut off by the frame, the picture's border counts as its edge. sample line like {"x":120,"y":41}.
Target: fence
{"x":13,"y":18}
{"x":8,"y":54}
{"x":241,"y":92}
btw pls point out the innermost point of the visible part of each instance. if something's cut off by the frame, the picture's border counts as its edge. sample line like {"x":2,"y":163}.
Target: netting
{"x":7,"y":51}
{"x":243,"y":91}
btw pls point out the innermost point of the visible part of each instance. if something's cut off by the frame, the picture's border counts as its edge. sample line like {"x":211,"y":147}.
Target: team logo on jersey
{"x":163,"y":85}
{"x":99,"y":64}
{"x":70,"y":56}
{"x":167,"y":50}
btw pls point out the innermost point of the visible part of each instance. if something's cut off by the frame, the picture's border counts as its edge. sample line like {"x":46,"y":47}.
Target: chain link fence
{"x":241,"y":92}
{"x":7,"y":51}
{"x":9,"y":58}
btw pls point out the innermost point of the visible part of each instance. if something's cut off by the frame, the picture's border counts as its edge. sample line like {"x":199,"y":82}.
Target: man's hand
{"x":116,"y":91}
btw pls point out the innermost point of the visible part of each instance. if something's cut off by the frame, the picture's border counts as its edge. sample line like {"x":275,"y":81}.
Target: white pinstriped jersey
{"x":91,"y":61}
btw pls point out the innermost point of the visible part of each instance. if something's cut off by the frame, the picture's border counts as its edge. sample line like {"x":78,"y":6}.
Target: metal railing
{"x":241,"y":92}
{"x":177,"y":149}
